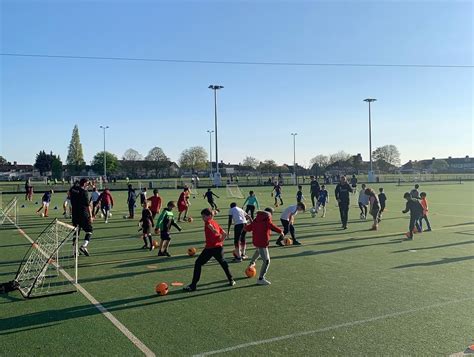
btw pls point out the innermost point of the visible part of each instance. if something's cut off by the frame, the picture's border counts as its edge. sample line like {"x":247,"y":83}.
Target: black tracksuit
{"x":342,"y":196}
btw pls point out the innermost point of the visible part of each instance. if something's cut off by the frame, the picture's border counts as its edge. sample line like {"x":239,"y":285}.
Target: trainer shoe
{"x":189,"y":288}
{"x":428,"y":230}
{"x":84,"y":251}
{"x":263,"y":282}
{"x":237,"y":260}
{"x":167,"y":254}
{"x":160,"y":253}
{"x":279,"y":243}
{"x":145,"y":246}
{"x":295,"y":242}
{"x":231,"y":282}
{"x":244,"y":257}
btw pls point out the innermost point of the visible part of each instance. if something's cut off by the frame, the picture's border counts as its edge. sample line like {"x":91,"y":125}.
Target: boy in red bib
{"x":215,"y":237}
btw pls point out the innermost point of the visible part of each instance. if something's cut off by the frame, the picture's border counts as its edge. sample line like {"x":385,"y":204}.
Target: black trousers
{"x":344,"y":212}
{"x":314,"y":198}
{"x":208,"y":253}
{"x":131,"y":208}
{"x":287,"y":227}
{"x":251,"y":209}
{"x":212,"y":204}
{"x":239,"y":234}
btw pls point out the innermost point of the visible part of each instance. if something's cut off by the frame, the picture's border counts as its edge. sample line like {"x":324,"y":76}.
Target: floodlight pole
{"x":371,"y":172}
{"x":210,"y":151}
{"x":105,"y":158}
{"x":215,"y":88}
{"x":294,"y":155}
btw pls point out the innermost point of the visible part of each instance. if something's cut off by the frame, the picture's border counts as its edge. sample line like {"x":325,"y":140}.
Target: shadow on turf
{"x":438,"y":262}
{"x":51,"y":317}
{"x":437,"y":246}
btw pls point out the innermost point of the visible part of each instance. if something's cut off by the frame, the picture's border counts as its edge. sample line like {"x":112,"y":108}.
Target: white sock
{"x":86,"y":243}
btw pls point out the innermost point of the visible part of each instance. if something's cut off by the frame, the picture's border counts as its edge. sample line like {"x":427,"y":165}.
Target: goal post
{"x":50,"y":266}
{"x":234,"y":191}
{"x":9,"y":212}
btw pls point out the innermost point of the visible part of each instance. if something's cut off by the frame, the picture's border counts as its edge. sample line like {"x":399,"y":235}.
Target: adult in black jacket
{"x":314,"y":190}
{"x":343,"y":189}
{"x":81,"y":212}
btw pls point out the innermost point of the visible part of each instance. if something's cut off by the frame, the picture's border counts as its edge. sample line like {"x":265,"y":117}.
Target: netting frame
{"x":229,"y":191}
{"x":12,"y":205}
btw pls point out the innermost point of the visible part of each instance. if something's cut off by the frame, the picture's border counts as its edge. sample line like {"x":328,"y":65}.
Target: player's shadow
{"x":437,"y":262}
{"x":459,"y":224}
{"x":437,"y":246}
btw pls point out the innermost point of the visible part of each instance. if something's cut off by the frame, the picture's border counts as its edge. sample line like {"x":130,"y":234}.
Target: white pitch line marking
{"x":121,"y":327}
{"x":329,"y":328}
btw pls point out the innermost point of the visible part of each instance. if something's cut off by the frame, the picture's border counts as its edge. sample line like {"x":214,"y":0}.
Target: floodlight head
{"x":370,"y":100}
{"x":215,"y":87}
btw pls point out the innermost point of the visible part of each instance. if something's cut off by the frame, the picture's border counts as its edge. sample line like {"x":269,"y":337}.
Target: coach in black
{"x":314,"y":190}
{"x":343,"y":189}
{"x":81,"y":212}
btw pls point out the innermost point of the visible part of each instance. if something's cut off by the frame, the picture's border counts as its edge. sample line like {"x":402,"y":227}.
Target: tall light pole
{"x":210,"y":152}
{"x":371,"y":172}
{"x":294,"y":155}
{"x":104,"y":128}
{"x":215,"y":88}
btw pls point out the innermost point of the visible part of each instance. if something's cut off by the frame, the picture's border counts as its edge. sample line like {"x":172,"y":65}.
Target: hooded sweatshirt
{"x":261,"y":229}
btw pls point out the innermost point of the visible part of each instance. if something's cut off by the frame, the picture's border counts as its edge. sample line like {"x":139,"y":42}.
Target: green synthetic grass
{"x":336,"y":277}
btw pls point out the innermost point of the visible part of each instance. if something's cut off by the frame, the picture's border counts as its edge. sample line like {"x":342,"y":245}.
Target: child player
{"x":215,"y":237}
{"x":46,"y":200}
{"x":106,"y":203}
{"x":143,"y":196}
{"x":374,"y":207}
{"x":164,"y":222}
{"x":95,"y":201}
{"x":261,"y":229}
{"x":147,"y":225}
{"x":155,"y":203}
{"x":210,"y":199}
{"x":323,"y":199}
{"x":424,"y":204}
{"x":251,"y":203}
{"x":239,"y":217}
{"x":382,"y":200}
{"x":299,"y":194}
{"x":183,"y":204}
{"x":288,"y":219}
{"x":416,"y":212}
{"x":363,"y":202}
{"x":277,"y":189}
{"x":67,"y":205}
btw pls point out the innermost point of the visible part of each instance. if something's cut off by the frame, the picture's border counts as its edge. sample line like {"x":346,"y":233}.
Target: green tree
{"x":132,"y":155}
{"x":250,"y":162}
{"x":387,"y":153}
{"x":194,"y":158}
{"x":339,"y":157}
{"x":49,"y":162}
{"x":157,"y":160}
{"x":75,"y":156}
{"x":267,"y":166}
{"x":98,"y":163}
{"x":3,"y":161}
{"x":56,"y":167}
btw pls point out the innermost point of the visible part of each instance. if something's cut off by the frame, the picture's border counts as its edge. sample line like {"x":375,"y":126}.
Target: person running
{"x":374,"y":207}
{"x":382,"y":200}
{"x":299,"y":194}
{"x":46,"y":200}
{"x":95,"y":201}
{"x":424,"y":204}
{"x":82,"y":213}
{"x":239,"y":217}
{"x":67,"y":203}
{"x":416,"y":212}
{"x":146,"y":226}
{"x":314,"y":190}
{"x":354,"y":183}
{"x":343,"y":189}
{"x":261,"y":229}
{"x":277,"y":195}
{"x":215,"y":237}
{"x":210,"y":199}
{"x":323,"y":199}
{"x":251,"y":203}
{"x":106,"y":204}
{"x":287,"y":219}
{"x":164,"y":222}
{"x":131,"y":200}
{"x":155,"y":203}
{"x":415,"y":193}
{"x":363,"y":202}
{"x":183,"y":204}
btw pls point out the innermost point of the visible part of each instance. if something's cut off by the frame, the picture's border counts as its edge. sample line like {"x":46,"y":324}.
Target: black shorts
{"x":354,"y":185}
{"x":146,"y":229}
{"x":165,"y":235}
{"x":83,"y":223}
{"x":95,"y":203}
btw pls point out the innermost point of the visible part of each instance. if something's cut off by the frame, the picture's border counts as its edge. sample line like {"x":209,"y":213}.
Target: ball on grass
{"x":288,"y":241}
{"x":250,"y":272}
{"x":190,"y":219}
{"x":162,"y":289}
{"x":191,"y":251}
{"x":42,"y":214}
{"x":156,"y":244}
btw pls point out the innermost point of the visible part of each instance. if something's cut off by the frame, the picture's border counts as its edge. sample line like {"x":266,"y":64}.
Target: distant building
{"x":454,"y":165}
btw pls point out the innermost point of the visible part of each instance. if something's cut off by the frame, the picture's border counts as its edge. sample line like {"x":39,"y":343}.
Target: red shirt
{"x":261,"y":229}
{"x":106,"y":198}
{"x":213,"y":233}
{"x":183,"y":198}
{"x":155,"y":203}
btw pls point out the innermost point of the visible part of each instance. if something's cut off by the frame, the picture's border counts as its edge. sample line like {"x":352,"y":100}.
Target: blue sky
{"x":425,"y":112}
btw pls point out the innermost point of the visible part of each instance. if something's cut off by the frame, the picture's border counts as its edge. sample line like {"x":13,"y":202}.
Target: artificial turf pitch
{"x":353,"y":292}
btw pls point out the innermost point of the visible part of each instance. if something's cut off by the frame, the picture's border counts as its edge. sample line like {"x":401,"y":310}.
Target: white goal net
{"x":234,"y":191}
{"x":9,"y":212}
{"x":50,"y":265}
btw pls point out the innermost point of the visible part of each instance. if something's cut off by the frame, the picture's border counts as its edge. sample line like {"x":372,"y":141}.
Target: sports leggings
{"x":265,"y":255}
